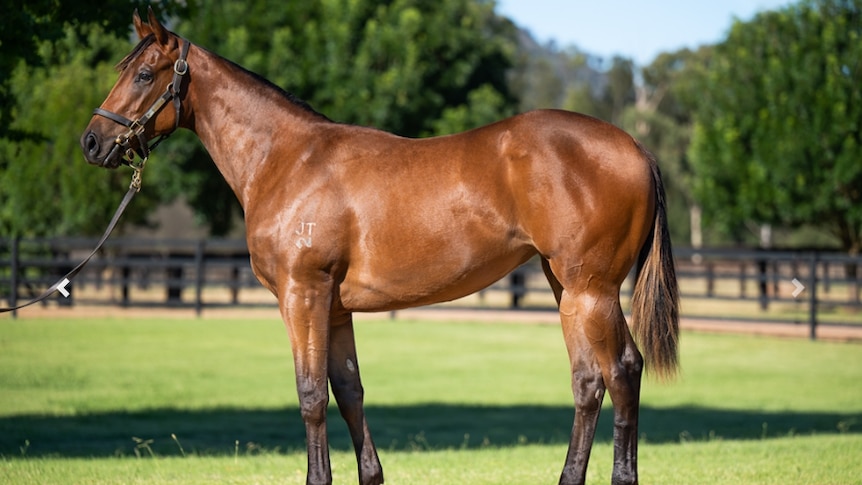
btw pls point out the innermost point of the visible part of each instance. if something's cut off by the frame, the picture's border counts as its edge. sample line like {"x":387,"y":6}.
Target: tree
{"x":45,"y":188}
{"x":661,"y":118}
{"x":777,"y":137}
{"x":55,"y":67}
{"x":411,"y":67}
{"x":25,"y":26}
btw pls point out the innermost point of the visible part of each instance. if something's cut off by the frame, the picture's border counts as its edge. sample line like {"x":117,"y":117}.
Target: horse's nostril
{"x":91,"y":144}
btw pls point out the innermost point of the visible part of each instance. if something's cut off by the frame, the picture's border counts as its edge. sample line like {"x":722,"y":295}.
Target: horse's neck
{"x":239,"y":119}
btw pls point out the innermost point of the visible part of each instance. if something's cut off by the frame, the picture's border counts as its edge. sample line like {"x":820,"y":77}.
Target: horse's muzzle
{"x":92,"y":148}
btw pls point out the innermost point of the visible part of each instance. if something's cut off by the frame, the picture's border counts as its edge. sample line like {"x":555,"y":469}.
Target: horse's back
{"x":435,"y":219}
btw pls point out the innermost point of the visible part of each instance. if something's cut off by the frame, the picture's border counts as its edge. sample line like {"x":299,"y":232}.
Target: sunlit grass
{"x":161,"y":400}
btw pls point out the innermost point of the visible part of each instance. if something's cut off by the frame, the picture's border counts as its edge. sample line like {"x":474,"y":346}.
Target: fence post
{"x":125,"y":276}
{"x":812,"y":296}
{"x":13,"y":280}
{"x":776,"y":278}
{"x":174,"y":280}
{"x":763,"y":283}
{"x":234,"y":282}
{"x":199,"y":272}
{"x":710,"y":280}
{"x":854,"y":268}
{"x":516,"y":287}
{"x":827,"y":281}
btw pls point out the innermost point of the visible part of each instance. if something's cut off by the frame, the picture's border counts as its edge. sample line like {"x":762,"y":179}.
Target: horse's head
{"x":150,"y":76}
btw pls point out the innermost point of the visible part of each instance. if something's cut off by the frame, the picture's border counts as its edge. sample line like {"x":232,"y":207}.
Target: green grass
{"x":98,"y":401}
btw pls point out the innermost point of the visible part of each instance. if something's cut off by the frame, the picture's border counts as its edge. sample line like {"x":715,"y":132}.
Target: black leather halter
{"x":122,"y":142}
{"x":136,"y":128}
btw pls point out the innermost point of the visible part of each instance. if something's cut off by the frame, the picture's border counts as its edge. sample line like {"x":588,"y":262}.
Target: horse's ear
{"x":157,"y":29}
{"x":140,"y":27}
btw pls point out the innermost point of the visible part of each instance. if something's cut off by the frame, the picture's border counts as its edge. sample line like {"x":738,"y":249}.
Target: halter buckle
{"x":181,"y":67}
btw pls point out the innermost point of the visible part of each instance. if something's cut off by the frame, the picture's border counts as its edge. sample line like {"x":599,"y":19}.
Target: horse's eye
{"x":144,"y":77}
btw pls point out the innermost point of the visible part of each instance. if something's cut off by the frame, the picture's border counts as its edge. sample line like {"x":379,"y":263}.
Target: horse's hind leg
{"x":602,"y":355}
{"x":587,"y":386}
{"x":347,"y":388}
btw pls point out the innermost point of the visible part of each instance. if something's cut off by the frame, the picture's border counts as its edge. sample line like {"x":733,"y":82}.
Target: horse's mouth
{"x":92,"y":150}
{"x":113,"y":159}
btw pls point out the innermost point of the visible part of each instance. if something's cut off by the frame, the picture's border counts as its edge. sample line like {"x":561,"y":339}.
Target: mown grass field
{"x":176,"y":400}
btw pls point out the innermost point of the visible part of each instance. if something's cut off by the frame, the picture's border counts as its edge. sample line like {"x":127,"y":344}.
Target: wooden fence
{"x":807,"y":287}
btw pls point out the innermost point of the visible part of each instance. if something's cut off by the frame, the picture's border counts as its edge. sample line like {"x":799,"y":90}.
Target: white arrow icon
{"x":799,"y":287}
{"x":62,"y":288}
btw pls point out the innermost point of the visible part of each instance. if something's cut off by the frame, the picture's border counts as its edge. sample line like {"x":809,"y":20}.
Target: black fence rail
{"x":813,"y":287}
{"x":130,"y":272}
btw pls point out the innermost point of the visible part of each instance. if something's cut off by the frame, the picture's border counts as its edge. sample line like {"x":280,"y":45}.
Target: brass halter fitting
{"x":137,"y":127}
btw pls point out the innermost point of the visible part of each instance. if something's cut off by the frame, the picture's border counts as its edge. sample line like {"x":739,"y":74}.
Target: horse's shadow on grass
{"x":231,"y":431}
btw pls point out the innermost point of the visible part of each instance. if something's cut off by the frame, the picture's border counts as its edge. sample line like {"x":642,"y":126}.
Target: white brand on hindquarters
{"x":304,"y":232}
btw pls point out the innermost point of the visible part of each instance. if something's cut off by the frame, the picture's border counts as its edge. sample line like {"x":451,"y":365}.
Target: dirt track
{"x":842,"y":333}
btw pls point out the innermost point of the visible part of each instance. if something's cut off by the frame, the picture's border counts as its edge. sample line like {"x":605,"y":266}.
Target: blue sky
{"x":638,"y":29}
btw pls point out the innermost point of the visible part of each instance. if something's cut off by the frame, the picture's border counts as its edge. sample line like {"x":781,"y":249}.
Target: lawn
{"x":178,"y":400}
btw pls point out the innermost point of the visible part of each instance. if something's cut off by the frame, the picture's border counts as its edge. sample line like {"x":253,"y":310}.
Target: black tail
{"x":655,"y":303}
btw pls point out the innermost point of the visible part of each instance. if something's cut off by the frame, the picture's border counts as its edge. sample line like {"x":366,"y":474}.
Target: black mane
{"x":149,"y":39}
{"x":304,"y":105}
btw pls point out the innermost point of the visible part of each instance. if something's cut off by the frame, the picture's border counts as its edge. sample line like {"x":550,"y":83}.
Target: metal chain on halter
{"x":137,"y":174}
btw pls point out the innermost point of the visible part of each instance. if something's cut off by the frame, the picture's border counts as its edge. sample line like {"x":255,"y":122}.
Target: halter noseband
{"x":137,"y":127}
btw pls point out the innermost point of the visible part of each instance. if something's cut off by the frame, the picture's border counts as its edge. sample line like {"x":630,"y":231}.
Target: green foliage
{"x":55,"y":67}
{"x":544,"y":76}
{"x":25,"y":26}
{"x":484,"y":105}
{"x":652,"y":109}
{"x":661,"y":118}
{"x":45,"y":187}
{"x":777,"y":137}
{"x":619,"y":91}
{"x":410,"y":67}
{"x":548,"y":77}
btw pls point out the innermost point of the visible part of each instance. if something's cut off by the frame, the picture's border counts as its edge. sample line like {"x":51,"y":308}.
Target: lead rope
{"x":136,"y":128}
{"x":134,"y":188}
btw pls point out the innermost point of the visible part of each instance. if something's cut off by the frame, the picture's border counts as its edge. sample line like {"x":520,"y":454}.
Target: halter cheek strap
{"x":137,"y":127}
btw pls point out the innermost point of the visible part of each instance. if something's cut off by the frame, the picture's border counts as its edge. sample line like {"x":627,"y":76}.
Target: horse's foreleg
{"x":305,"y":309}
{"x":347,"y":388}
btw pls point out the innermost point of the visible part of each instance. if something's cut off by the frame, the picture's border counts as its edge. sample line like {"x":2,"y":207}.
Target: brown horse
{"x":344,"y":219}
